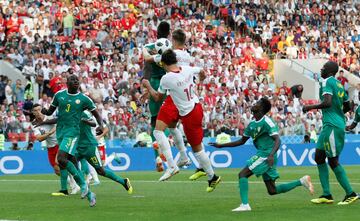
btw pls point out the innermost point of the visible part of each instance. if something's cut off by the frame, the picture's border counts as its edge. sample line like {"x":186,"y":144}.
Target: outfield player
{"x":71,"y":103}
{"x":264,"y":132}
{"x":87,"y":149}
{"x":334,"y":103}
{"x":179,"y":83}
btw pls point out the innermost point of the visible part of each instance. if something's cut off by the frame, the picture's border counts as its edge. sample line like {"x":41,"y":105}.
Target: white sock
{"x":164,"y":145}
{"x":93,"y":173}
{"x":109,"y":159}
{"x":179,"y":143}
{"x":205,"y":163}
{"x":72,"y":183}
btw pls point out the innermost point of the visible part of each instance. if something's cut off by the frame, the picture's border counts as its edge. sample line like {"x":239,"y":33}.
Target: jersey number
{"x":67,"y":107}
{"x":188,"y":92}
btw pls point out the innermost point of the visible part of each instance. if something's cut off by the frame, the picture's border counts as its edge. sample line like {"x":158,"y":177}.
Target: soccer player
{"x":179,"y":83}
{"x":154,"y":73}
{"x":87,"y":149}
{"x":168,"y":115}
{"x":334,"y":103}
{"x":264,"y":133}
{"x":46,"y":132}
{"x":71,"y":103}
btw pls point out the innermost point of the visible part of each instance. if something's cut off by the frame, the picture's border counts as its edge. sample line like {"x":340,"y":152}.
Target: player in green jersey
{"x":334,"y":103}
{"x":87,"y":149}
{"x":264,"y":133}
{"x":70,"y":104}
{"x":154,"y":72}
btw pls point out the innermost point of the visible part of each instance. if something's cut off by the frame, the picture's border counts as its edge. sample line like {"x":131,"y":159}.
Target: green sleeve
{"x":55,"y":101}
{"x":272,"y":127}
{"x":88,"y":104}
{"x":327,"y":87}
{"x":247,"y":132}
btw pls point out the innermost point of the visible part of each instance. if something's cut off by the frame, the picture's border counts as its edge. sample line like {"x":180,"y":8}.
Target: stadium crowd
{"x":234,"y":41}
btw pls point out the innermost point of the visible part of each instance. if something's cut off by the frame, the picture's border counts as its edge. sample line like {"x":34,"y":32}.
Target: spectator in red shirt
{"x":344,"y":81}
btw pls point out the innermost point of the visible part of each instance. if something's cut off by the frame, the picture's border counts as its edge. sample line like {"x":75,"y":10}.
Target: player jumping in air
{"x":334,"y":103}
{"x":71,"y":103}
{"x":179,"y":83}
{"x":264,"y":133}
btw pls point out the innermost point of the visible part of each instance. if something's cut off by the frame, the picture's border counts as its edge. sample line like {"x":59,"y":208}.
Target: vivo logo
{"x":124,"y":158}
{"x":20,"y":165}
{"x":213,"y":156}
{"x":285,"y":154}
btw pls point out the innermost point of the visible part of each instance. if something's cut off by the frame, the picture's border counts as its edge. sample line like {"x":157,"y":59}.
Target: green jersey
{"x":334,"y":115}
{"x":70,"y":109}
{"x":261,"y":132}
{"x":87,"y":137}
{"x":157,"y":70}
{"x":357,"y":115}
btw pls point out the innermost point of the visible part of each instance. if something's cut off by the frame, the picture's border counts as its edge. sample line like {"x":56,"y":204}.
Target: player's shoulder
{"x":61,"y":92}
{"x":269,"y":121}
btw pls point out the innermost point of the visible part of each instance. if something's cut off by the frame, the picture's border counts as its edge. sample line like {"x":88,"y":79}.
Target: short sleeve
{"x":85,"y":116}
{"x":88,"y":104}
{"x":327,"y":88}
{"x":247,"y":132}
{"x":55,"y":101}
{"x":163,"y":86}
{"x":272,"y":127}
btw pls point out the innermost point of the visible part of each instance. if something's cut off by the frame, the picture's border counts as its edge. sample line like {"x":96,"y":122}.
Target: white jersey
{"x":51,"y":141}
{"x":181,"y":87}
{"x":182,"y":56}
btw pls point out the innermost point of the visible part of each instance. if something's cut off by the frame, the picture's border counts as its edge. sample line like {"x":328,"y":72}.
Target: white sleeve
{"x":162,"y":88}
{"x":196,"y":71}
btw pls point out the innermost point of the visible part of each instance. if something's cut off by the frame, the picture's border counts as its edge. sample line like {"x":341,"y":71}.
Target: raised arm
{"x":237,"y":143}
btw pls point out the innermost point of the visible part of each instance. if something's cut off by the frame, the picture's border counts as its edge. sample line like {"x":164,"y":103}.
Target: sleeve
{"x":272,"y":127}
{"x":163,"y":86}
{"x":88,"y":104}
{"x":55,"y":101}
{"x":85,"y":116}
{"x":157,"y":58}
{"x":247,"y":132}
{"x":357,"y":115}
{"x":327,"y":88}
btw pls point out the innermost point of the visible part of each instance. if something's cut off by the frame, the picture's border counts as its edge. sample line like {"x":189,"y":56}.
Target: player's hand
{"x":348,"y":128}
{"x":270,"y":160}
{"x":306,"y":109}
{"x":145,"y":96}
{"x":145,"y":83}
{"x":215,"y":145}
{"x":99,"y":130}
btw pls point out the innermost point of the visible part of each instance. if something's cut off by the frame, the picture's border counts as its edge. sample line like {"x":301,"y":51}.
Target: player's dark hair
{"x":35,"y":105}
{"x":179,"y":36}
{"x":163,"y":30}
{"x":168,"y":57}
{"x":265,"y":103}
{"x":332,"y":67}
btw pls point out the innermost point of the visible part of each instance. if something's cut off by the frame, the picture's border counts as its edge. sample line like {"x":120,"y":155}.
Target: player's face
{"x":73,"y":83}
{"x":256,"y":109}
{"x":37,"y":112}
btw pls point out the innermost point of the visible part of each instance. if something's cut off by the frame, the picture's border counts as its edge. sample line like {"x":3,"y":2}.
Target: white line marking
{"x":176,"y":182}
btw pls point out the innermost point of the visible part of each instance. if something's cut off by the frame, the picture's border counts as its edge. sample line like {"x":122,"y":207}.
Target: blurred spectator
{"x":223,"y":137}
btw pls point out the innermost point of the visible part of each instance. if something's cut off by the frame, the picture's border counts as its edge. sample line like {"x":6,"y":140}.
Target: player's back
{"x":333,"y":116}
{"x":261,"y":132}
{"x":183,"y":57}
{"x":87,"y":133}
{"x":181,"y":87}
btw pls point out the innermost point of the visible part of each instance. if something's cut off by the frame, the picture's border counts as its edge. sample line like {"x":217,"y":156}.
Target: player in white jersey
{"x":168,"y":113}
{"x":46,"y":133}
{"x":179,"y":83}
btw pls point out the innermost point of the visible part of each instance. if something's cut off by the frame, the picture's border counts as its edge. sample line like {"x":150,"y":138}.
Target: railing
{"x":303,"y":70}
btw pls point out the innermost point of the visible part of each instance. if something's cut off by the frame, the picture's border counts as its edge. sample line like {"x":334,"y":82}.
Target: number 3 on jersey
{"x":188,"y":92}
{"x":67,"y":107}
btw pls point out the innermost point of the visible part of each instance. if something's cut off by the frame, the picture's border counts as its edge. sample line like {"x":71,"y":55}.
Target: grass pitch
{"x":27,"y":197}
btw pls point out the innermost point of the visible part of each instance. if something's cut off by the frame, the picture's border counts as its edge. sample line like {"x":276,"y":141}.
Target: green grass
{"x":27,"y":197}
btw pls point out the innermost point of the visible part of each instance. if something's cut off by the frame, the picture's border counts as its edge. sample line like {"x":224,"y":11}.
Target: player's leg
{"x":180,"y":145}
{"x":52,"y":153}
{"x":274,"y":189}
{"x":110,"y":158}
{"x":102,"y":153}
{"x":94,"y":175}
{"x":244,"y":190}
{"x":95,"y":162}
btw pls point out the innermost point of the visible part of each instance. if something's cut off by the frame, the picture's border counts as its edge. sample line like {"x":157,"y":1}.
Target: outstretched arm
{"x":48,"y":112}
{"x":154,"y":94}
{"x":89,"y":122}
{"x":42,"y":137}
{"x":237,"y":143}
{"x":326,"y":103}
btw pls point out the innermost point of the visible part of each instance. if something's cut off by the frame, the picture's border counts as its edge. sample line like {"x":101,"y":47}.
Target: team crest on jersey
{"x":77,"y":101}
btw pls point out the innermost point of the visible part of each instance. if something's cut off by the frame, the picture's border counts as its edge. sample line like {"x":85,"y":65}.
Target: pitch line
{"x":154,"y":181}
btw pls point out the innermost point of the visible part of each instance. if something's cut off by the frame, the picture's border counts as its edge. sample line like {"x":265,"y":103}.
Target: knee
{"x":62,"y":161}
{"x":100,"y":171}
{"x":319,"y":159}
{"x":333,"y":163}
{"x":241,"y":175}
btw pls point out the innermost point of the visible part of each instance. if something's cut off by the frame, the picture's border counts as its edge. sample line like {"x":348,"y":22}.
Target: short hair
{"x":163,"y":30}
{"x":265,"y":103}
{"x":179,"y":36}
{"x":35,"y":105}
{"x":168,"y":57}
{"x":332,"y":67}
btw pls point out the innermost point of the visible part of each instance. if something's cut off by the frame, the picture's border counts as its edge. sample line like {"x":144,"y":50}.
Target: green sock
{"x":343,"y":179}
{"x":154,"y":139}
{"x":283,"y":188}
{"x":63,"y":179}
{"x":75,"y":173}
{"x":111,"y":175}
{"x":84,"y":167}
{"x":244,"y":190}
{"x":324,"y":178}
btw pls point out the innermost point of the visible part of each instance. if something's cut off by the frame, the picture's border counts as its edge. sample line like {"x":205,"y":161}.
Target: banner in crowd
{"x":142,"y":159}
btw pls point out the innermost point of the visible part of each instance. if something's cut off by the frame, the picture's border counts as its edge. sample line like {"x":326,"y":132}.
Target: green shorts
{"x":68,"y":144}
{"x":153,"y":105}
{"x":91,"y":154}
{"x":259,"y":166}
{"x":331,"y":140}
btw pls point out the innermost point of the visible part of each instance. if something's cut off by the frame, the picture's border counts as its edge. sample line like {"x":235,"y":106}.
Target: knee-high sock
{"x":244,"y":190}
{"x":205,"y":163}
{"x":75,"y":173}
{"x":324,"y":178}
{"x":164,"y":145}
{"x":343,"y":179}
{"x":63,"y":179}
{"x":111,"y":175}
{"x":179,"y":142}
{"x":84,"y":167}
{"x":93,"y":173}
{"x":283,"y":188}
